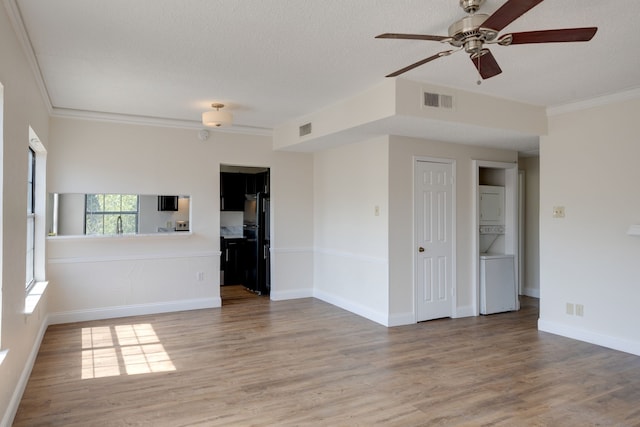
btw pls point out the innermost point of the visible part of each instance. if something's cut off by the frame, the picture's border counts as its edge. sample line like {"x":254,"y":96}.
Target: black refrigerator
{"x":256,"y":233}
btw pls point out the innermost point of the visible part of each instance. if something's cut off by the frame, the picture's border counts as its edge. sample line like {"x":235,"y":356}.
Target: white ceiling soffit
{"x":419,"y":127}
{"x":270,"y":61}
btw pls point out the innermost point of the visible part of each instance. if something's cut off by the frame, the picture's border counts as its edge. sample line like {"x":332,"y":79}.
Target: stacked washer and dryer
{"x":498,"y":291}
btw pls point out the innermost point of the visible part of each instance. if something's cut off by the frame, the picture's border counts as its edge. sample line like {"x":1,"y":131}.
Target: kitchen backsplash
{"x":231,"y":224}
{"x":231,"y":219}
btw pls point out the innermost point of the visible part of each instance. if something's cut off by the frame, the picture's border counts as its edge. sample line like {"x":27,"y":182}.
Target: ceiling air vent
{"x":305,"y":129}
{"x":437,"y":100}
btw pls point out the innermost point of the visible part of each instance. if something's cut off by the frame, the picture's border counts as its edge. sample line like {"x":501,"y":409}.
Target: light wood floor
{"x":305,"y":362}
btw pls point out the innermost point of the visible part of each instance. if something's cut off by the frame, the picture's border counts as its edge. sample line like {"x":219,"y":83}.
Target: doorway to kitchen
{"x":245,"y":237}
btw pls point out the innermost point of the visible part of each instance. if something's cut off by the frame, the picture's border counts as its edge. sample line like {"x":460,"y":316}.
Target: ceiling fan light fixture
{"x":217,"y":118}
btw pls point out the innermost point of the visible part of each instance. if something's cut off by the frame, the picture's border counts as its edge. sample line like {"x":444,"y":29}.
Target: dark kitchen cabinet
{"x":234,"y":186}
{"x":261,"y":182}
{"x":233,"y":261}
{"x":232,"y":191}
{"x":167,"y":203}
{"x":256,"y":182}
{"x":250,"y":184}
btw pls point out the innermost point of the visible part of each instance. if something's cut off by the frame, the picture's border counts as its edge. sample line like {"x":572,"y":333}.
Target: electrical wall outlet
{"x":376,"y":210}
{"x":570,"y":309}
{"x":200,"y":276}
{"x":558,"y":212}
{"x":579,"y":310}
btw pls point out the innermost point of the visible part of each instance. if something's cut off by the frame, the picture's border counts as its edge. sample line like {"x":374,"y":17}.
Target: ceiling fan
{"x":473,"y":32}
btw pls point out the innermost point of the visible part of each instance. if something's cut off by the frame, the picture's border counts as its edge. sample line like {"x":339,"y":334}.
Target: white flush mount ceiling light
{"x":217,"y":118}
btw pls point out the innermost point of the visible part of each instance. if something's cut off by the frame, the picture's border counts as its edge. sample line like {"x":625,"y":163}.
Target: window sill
{"x":171,"y":235}
{"x":34,"y":296}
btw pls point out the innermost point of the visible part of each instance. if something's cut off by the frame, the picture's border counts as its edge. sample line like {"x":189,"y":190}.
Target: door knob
{"x":420,"y":249}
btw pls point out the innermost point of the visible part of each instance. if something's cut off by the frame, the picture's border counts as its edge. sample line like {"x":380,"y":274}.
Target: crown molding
{"x":155,"y":121}
{"x":571,"y":107}
{"x":15,"y":16}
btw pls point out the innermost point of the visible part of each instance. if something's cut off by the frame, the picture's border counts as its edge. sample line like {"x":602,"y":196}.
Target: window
{"x":36,"y":212}
{"x":111,"y":214}
{"x":31,"y":219}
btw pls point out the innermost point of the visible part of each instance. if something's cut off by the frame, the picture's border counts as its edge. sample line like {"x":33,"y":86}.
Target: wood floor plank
{"x":305,"y":362}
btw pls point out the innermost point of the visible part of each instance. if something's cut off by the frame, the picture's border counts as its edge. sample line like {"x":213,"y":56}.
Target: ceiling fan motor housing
{"x":468,"y":32}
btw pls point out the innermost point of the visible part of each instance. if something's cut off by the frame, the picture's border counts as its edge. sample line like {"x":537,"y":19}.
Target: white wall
{"x":531,"y":168}
{"x":589,"y":165}
{"x":401,"y":249}
{"x":351,"y":242}
{"x":121,"y":275}
{"x":71,"y":211}
{"x":20,"y":333}
{"x":363,"y":262}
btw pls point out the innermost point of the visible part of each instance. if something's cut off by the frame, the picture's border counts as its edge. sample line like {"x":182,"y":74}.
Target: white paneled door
{"x":434,"y":246}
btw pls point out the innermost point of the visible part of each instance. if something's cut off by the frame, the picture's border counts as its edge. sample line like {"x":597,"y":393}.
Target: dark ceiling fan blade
{"x":419,"y":63}
{"x":509,"y":12}
{"x":553,"y":36}
{"x":411,"y":37}
{"x":486,"y":64}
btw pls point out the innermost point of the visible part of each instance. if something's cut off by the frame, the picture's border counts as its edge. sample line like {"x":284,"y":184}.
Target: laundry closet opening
{"x":245,"y":237}
{"x":497,"y":237}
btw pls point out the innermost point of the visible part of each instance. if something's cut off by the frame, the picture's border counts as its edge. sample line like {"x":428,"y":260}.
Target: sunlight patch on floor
{"x":123,"y":349}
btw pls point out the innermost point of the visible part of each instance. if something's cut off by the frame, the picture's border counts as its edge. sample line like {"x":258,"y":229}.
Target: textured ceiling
{"x":273,"y":60}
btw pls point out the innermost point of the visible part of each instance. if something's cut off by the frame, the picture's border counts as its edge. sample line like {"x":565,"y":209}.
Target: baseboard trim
{"x":401,"y":319}
{"x":292,"y":294}
{"x":531,"y":292}
{"x":466,"y":311}
{"x":353,"y":307}
{"x":632,"y":347}
{"x":12,"y":408}
{"x":133,"y":310}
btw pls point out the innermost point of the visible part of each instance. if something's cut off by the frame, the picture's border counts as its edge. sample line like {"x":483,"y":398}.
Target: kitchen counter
{"x":231,"y":232}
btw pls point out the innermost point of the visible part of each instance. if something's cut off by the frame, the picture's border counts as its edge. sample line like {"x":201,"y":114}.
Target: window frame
{"x":30,"y":270}
{"x":105,"y":213}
